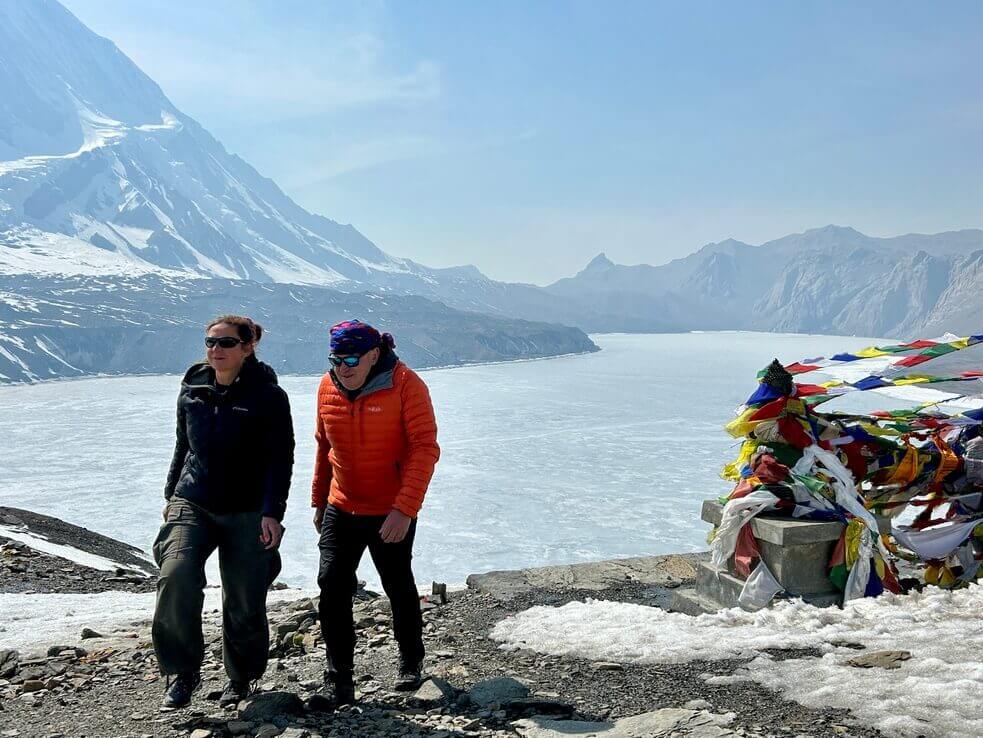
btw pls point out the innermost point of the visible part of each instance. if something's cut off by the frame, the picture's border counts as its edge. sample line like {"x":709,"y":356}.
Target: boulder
{"x":881,"y":659}
{"x":264,"y":707}
{"x":9,"y":660}
{"x":497,"y":691}
{"x":434,"y":691}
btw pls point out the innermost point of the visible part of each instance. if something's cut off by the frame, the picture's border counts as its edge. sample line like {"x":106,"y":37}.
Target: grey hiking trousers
{"x":189,"y":535}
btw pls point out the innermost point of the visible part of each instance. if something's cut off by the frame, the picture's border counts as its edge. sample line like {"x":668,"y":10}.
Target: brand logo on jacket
{"x":373,"y":409}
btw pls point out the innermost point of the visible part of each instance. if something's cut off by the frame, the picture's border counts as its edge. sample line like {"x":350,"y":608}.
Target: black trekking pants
{"x":344,"y":538}
{"x":189,"y":535}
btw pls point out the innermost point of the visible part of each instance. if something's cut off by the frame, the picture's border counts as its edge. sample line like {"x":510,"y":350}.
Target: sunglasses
{"x":225,"y":342}
{"x":350,"y":361}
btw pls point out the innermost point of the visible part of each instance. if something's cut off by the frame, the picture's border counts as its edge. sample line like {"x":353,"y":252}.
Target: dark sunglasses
{"x":351,"y":361}
{"x":222,"y":341}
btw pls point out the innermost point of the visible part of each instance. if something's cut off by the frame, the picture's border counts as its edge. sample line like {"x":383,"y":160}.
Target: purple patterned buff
{"x":356,"y":337}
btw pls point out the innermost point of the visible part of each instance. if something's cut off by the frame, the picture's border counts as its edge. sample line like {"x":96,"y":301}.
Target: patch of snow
{"x":939,"y":692}
{"x":43,"y":345}
{"x":32,"y":251}
{"x":42,"y":544}
{"x":31,"y":622}
{"x":14,"y":360}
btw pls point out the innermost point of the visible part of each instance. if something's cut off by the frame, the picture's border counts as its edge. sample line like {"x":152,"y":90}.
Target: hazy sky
{"x":526,"y":137}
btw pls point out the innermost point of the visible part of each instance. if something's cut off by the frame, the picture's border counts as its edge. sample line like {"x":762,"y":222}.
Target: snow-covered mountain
{"x":92,"y":149}
{"x":108,"y":191}
{"x":826,"y":280}
{"x":124,"y":225}
{"x":71,"y":326}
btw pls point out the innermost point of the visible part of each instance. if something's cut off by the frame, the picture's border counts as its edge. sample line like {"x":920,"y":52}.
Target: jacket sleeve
{"x":180,"y":452}
{"x":321,"y":486}
{"x":420,"y":428}
{"x":280,"y":449}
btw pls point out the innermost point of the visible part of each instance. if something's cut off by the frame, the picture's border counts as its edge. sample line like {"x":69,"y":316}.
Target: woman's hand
{"x":318,"y":518}
{"x":270,"y":532}
{"x":395,"y":527}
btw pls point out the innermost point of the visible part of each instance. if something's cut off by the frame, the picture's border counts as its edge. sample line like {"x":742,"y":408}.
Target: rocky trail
{"x":106,"y":685}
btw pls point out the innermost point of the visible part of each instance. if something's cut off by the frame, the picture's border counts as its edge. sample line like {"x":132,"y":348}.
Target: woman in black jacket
{"x":226,"y":490}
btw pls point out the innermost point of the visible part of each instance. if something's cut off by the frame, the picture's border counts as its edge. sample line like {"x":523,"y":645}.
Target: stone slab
{"x":784,"y":530}
{"x":801,"y":570}
{"x":781,"y":531}
{"x":724,"y":589}
{"x":669,"y":721}
{"x":687,"y":601}
{"x":670,"y":570}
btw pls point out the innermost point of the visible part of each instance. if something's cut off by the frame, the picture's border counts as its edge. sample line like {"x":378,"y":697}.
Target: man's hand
{"x":395,"y":527}
{"x":318,"y":518}
{"x":270,"y":532}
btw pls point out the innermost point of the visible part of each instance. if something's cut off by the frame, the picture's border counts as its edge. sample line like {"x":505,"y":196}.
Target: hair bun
{"x":388,"y":340}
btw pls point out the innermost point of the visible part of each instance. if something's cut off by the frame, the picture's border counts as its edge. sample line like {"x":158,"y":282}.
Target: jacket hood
{"x":253,"y":371}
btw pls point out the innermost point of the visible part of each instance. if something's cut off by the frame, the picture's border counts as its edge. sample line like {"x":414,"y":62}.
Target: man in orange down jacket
{"x":376,"y":451}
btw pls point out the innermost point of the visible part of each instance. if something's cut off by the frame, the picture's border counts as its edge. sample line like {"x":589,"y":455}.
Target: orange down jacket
{"x":377,"y":452}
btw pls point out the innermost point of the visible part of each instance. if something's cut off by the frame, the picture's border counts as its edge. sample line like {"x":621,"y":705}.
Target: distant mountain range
{"x":121,"y":219}
{"x":827,"y":280}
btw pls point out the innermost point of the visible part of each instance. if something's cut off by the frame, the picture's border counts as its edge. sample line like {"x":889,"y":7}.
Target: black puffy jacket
{"x":235,"y":446}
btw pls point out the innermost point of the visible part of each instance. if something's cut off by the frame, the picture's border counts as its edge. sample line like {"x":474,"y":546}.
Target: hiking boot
{"x":335,"y":691}
{"x":234,"y":693}
{"x":408,"y":676}
{"x":180,"y":689}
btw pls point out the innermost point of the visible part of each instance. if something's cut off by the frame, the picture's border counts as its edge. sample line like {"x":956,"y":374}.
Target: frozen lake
{"x":544,"y":462}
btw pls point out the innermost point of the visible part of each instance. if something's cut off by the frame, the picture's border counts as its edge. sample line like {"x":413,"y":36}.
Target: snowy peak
{"x":93,"y":152}
{"x":53,"y":66}
{"x":598,"y":263}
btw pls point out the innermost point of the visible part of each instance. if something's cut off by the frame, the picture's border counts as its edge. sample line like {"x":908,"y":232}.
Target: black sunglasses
{"x":351,"y":361}
{"x":225,"y":342}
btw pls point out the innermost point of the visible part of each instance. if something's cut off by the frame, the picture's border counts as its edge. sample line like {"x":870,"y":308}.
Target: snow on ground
{"x":33,"y":251}
{"x":939,"y":692}
{"x":42,"y":544}
{"x":32,"y":622}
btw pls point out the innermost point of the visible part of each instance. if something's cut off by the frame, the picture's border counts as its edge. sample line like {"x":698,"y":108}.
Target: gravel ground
{"x":111,"y":688}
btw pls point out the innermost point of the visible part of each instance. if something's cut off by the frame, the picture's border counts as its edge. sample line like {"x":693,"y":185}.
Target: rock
{"x":89,"y":633}
{"x":608,"y":666}
{"x":295,"y":733}
{"x":238,"y":727}
{"x":201,"y":733}
{"x":267,"y":731}
{"x":497,"y":691}
{"x":698,"y":705}
{"x":668,"y":721}
{"x":881,"y":659}
{"x":284,"y":628}
{"x":539,"y":706}
{"x":265,"y":707}
{"x":9,"y":659}
{"x":32,"y":685}
{"x":438,"y":593}
{"x":433,"y":691}
{"x":56,"y":650}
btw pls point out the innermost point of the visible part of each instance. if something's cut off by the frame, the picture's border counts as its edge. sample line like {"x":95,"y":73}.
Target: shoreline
{"x":132,"y":375}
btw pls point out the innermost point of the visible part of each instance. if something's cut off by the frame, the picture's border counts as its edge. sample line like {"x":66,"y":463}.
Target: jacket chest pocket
{"x":219,"y":425}
{"x":337,"y":425}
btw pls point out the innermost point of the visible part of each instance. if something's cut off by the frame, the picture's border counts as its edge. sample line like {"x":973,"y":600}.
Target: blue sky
{"x":526,"y":137}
